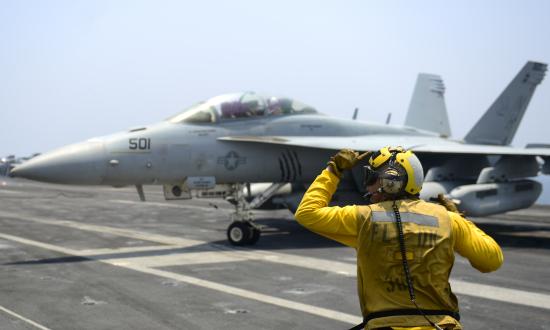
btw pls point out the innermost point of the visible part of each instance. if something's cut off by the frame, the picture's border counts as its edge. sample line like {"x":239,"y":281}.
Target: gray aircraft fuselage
{"x":167,"y":152}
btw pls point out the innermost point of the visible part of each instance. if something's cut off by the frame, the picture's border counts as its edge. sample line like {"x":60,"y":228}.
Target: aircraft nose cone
{"x":82,"y":163}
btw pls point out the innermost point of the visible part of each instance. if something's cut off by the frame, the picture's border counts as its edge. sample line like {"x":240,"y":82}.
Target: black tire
{"x":238,"y":233}
{"x":254,"y":234}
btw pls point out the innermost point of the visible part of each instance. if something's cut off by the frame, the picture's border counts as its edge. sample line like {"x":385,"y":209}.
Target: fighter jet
{"x":227,"y":145}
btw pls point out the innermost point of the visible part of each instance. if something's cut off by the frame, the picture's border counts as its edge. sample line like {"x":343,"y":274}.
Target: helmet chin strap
{"x":368,"y":196}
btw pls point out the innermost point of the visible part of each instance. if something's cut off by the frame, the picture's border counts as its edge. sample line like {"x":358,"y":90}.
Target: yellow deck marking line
{"x":31,"y":322}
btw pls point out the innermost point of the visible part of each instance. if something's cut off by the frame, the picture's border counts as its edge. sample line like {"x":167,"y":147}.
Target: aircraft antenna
{"x":355,"y":112}
{"x":388,"y":119}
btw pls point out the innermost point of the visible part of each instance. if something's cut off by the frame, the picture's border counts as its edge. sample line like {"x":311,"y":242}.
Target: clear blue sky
{"x":71,"y":70}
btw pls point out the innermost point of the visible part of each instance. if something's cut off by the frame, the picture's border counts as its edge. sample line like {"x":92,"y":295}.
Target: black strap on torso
{"x":398,"y":312}
{"x":360,"y":326}
{"x":402,"y":312}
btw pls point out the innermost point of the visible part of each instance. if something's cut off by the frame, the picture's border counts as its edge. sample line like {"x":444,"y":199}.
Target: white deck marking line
{"x":310,"y":309}
{"x":10,"y":191}
{"x":179,"y":206}
{"x":31,"y":322}
{"x":181,"y":259}
{"x":513,"y":296}
{"x":134,"y":249}
{"x":168,"y":240}
{"x":42,"y":245}
{"x":519,"y":297}
{"x":244,"y":254}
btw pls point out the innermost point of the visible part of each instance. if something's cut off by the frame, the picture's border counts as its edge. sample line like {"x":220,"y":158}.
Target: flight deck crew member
{"x":405,"y":246}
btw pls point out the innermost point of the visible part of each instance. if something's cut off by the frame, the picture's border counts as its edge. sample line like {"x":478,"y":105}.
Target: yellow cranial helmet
{"x":400,"y":171}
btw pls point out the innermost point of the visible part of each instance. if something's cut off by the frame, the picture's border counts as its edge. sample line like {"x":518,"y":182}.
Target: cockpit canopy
{"x":240,"y":106}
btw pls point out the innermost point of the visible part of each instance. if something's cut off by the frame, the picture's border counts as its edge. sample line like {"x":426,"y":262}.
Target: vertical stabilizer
{"x":500,"y":122}
{"x":427,"y":110}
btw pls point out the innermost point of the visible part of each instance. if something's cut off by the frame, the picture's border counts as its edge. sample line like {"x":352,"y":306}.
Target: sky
{"x":72,"y":70}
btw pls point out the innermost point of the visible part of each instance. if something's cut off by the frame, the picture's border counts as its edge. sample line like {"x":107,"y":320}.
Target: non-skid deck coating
{"x":97,"y":258}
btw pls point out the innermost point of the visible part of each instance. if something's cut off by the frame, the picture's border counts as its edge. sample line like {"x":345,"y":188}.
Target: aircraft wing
{"x":375,"y":142}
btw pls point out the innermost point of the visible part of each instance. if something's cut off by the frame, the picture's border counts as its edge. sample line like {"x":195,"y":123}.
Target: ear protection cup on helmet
{"x":415,"y":172}
{"x":400,"y":171}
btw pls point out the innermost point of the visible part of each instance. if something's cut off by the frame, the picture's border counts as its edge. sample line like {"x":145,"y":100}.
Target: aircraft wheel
{"x":254,"y":234}
{"x":239,"y":233}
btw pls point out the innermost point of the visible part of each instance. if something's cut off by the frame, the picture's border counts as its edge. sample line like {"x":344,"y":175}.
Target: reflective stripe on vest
{"x":419,"y":219}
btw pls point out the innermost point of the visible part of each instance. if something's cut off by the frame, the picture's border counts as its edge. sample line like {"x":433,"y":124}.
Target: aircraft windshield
{"x":240,"y":106}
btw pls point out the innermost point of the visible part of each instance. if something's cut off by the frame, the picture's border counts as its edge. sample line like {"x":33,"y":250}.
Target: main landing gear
{"x":243,"y":233}
{"x":243,"y":230}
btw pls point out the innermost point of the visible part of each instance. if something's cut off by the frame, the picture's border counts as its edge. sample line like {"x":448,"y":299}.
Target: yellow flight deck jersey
{"x":432,"y":235}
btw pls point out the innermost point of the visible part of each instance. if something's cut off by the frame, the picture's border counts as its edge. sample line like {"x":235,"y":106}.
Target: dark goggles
{"x":369,"y":176}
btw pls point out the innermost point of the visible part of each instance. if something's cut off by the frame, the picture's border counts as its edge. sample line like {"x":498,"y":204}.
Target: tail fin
{"x":427,"y":108}
{"x":500,"y":123}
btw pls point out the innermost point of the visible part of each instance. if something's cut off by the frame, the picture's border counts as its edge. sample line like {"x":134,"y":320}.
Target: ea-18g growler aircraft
{"x":231,"y":145}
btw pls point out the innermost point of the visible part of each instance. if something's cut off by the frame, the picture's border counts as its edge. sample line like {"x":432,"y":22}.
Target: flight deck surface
{"x":98,"y":258}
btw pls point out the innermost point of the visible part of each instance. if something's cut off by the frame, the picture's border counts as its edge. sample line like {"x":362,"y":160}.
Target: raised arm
{"x":337,"y":223}
{"x":472,"y":243}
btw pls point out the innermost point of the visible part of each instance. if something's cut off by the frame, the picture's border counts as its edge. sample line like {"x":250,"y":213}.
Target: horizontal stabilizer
{"x":537,"y":145}
{"x":546,"y":167}
{"x":427,"y":109}
{"x":500,"y":123}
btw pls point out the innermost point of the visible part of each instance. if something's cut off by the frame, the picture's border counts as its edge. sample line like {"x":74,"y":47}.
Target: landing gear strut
{"x":243,"y":230}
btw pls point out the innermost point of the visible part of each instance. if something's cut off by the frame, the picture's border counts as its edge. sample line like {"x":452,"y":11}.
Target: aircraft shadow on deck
{"x":518,"y":236}
{"x":291,"y":235}
{"x":280,"y":235}
{"x":283,"y":235}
